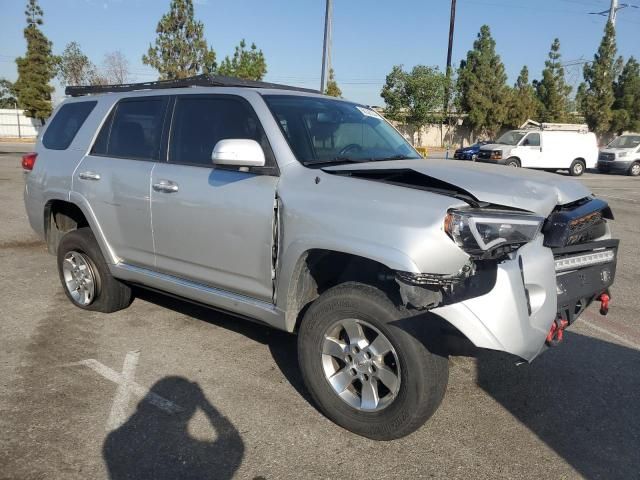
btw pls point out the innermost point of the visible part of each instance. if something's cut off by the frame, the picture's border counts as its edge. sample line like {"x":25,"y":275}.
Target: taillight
{"x":29,"y":161}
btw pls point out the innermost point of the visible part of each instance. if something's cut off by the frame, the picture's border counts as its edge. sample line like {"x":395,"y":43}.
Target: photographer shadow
{"x":153,"y":444}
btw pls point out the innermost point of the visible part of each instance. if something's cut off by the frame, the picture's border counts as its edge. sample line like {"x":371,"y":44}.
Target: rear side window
{"x":133,"y":130}
{"x":64,"y":126}
{"x":199,"y":122}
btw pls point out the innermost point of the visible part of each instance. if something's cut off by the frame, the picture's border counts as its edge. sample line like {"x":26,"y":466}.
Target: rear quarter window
{"x":65,"y":125}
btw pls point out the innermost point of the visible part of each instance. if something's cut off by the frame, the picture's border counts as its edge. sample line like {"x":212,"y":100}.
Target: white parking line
{"x":619,"y":338}
{"x":126,"y":386}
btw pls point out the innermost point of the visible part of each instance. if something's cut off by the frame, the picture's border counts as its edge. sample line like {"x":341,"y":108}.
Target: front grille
{"x":576,"y":224}
{"x":607,"y":157}
{"x":484,"y":154}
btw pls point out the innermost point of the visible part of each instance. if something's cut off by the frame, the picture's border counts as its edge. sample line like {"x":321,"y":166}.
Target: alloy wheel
{"x":79,"y":278}
{"x":361,"y":365}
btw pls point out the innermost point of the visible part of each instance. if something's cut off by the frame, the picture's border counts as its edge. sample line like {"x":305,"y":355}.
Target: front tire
{"x":634,"y":169}
{"x":85,"y":277}
{"x":577,"y":168}
{"x":363,"y":369}
{"x":512,"y":162}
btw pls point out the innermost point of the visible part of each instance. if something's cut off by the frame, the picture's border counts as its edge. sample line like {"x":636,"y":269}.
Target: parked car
{"x":551,"y":147}
{"x":470,"y":152}
{"x":314,"y":215}
{"x":621,"y":155}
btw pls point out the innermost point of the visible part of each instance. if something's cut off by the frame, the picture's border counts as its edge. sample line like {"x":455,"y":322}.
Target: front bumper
{"x":614,"y":165}
{"x":517,"y":314}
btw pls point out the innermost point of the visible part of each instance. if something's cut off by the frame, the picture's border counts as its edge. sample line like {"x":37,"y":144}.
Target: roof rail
{"x":203,"y":80}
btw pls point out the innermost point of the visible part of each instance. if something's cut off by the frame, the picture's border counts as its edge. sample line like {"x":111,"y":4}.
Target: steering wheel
{"x":352,"y":146}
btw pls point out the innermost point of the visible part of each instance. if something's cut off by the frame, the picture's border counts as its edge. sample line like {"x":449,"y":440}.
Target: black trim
{"x":203,"y":80}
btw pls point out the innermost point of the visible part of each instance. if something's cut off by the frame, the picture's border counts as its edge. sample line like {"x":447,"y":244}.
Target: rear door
{"x":214,"y":226}
{"x":115,"y":177}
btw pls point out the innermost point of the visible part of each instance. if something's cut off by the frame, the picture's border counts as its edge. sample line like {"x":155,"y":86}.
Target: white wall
{"x":13,"y":123}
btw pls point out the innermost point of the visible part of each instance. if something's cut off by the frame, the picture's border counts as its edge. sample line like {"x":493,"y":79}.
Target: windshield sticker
{"x":367,"y":112}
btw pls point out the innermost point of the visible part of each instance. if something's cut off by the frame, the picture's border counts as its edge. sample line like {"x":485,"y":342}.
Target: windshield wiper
{"x":338,"y":160}
{"x":399,"y":156}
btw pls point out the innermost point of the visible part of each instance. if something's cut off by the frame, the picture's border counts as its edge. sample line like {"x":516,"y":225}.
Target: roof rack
{"x":203,"y":80}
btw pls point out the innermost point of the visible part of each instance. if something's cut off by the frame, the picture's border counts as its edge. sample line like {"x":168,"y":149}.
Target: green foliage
{"x":75,"y":68}
{"x":248,"y":64}
{"x":482,"y":87}
{"x":180,"y":49}
{"x":522,"y":103}
{"x":596,"y":94}
{"x":552,"y":91}
{"x":36,"y":68}
{"x":332,"y":88}
{"x":626,"y":106}
{"x":8,"y":95}
{"x":414,"y":97}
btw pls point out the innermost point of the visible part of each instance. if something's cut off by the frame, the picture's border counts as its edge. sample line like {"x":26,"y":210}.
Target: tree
{"x":626,"y":106}
{"x":115,"y":68}
{"x":521,"y":103}
{"x":180,"y":49}
{"x":75,"y":68}
{"x":8,"y":96}
{"x":248,"y":64}
{"x":36,"y":69}
{"x":332,"y":88}
{"x":414,"y":97}
{"x":482,"y":86}
{"x":596,"y":96}
{"x":552,"y":90}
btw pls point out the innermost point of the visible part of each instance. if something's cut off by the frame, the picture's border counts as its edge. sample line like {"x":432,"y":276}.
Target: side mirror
{"x":238,"y":152}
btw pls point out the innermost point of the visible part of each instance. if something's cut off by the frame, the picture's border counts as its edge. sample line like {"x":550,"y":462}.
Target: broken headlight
{"x":491,"y":233}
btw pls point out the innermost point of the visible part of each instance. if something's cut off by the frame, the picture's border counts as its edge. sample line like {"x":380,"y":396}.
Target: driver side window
{"x":532,"y":140}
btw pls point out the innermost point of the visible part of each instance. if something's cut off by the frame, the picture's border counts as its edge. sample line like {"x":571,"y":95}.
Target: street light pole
{"x":325,"y":45}
{"x":452,"y":22}
{"x":612,"y":12}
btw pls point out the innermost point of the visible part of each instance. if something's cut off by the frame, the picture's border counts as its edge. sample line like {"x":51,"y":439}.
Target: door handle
{"x":89,"y":176}
{"x":166,"y":186}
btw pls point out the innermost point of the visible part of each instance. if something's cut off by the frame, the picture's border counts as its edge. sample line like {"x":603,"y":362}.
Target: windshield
{"x":323,"y":130}
{"x":626,"y":141}
{"x":511,"y":138}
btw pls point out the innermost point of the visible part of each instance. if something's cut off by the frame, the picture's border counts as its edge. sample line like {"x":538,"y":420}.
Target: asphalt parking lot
{"x":227,"y":401}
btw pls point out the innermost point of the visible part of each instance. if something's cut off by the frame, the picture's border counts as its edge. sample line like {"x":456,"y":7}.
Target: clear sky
{"x":369,"y":37}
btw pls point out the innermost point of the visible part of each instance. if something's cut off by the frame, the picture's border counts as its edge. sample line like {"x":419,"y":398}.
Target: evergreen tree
{"x":8,"y":96}
{"x":180,"y":49}
{"x":596,"y":96}
{"x":626,"y":106}
{"x":522,"y":103}
{"x":332,"y":88}
{"x":248,"y":64}
{"x":36,"y":68}
{"x":481,"y":86}
{"x":75,"y":68}
{"x":552,"y":90}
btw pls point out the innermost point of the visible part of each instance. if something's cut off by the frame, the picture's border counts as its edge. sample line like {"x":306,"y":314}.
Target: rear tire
{"x":577,"y":168}
{"x":408,"y":382}
{"x":634,"y":169}
{"x":512,"y":162}
{"x":85,"y":277}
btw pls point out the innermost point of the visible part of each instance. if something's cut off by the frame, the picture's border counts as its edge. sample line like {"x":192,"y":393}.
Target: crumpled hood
{"x":530,"y":190}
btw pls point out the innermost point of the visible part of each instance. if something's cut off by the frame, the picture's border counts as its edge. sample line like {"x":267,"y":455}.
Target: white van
{"x":549,"y":147}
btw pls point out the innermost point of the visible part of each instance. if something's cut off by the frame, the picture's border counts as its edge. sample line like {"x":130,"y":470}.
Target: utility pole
{"x":326,"y":44}
{"x":612,"y":12}
{"x":452,"y":23}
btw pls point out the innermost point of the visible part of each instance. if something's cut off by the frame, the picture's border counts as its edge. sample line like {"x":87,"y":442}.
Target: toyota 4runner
{"x":314,"y":215}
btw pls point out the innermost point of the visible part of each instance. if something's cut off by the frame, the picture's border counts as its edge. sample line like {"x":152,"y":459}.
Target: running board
{"x":231,"y":302}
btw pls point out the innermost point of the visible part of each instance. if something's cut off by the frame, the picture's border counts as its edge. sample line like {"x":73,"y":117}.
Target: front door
{"x":115,"y":177}
{"x":530,"y":151}
{"x":214,"y":226}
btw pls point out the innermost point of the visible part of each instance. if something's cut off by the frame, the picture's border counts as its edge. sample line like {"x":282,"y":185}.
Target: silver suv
{"x":315,"y":216}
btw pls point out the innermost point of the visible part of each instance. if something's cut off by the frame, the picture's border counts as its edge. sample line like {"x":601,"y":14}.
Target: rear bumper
{"x":517,"y":314}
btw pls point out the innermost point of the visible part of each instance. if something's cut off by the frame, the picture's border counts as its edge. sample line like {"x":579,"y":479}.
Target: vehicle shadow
{"x":582,"y":399}
{"x":153,"y":444}
{"x":282,"y":345}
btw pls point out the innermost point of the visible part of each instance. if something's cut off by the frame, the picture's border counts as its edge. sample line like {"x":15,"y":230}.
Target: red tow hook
{"x":604,"y":303}
{"x":556,"y":333}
